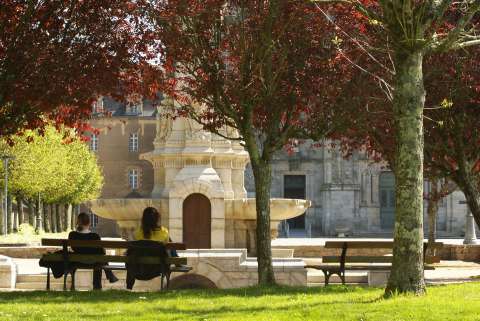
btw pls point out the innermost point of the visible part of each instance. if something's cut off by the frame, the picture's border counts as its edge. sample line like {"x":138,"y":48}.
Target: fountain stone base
{"x":236,"y":230}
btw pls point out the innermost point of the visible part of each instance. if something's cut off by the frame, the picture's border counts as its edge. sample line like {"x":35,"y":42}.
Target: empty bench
{"x":73,"y":261}
{"x":338,"y":264}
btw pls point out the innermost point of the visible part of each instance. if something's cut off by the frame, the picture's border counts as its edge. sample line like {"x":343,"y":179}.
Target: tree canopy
{"x":56,"y":164}
{"x":57,"y":56}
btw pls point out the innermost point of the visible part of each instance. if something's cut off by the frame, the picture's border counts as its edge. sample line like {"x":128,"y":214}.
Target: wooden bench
{"x":338,"y":264}
{"x":71,"y":261}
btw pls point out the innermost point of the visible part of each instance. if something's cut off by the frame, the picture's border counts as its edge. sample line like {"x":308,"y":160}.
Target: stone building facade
{"x":351,"y":197}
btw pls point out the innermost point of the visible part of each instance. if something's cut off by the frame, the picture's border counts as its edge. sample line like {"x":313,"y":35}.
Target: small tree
{"x":56,"y":166}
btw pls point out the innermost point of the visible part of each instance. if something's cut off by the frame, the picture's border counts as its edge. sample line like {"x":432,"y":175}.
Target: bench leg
{"x":168,"y":279}
{"x":327,"y":276}
{"x":48,"y":279}
{"x":72,"y":275}
{"x":65,"y":274}
{"x":161,"y":281}
{"x":342,"y":276}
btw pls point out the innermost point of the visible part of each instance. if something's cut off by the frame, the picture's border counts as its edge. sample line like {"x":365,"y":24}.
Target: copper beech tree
{"x":389,"y":45}
{"x":55,"y":56}
{"x":249,"y":71}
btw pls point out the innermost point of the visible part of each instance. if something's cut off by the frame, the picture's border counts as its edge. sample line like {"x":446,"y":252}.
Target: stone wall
{"x":345,"y":194}
{"x":8,"y":273}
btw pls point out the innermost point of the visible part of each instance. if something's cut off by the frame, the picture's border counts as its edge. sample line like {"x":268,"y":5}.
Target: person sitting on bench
{"x":152,"y":230}
{"x":83,"y":233}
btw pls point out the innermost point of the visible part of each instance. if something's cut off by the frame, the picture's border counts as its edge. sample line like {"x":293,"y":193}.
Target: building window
{"x":133,"y":142}
{"x":94,"y":143}
{"x":133,"y":178}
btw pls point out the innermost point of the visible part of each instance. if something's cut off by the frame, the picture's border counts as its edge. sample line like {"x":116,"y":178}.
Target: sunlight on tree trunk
{"x":407,"y":266}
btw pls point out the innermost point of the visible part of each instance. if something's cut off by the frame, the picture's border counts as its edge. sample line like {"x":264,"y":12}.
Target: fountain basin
{"x":128,"y":212}
{"x":280,"y":208}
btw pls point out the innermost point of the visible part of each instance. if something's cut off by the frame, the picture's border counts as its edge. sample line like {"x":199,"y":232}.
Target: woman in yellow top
{"x":150,"y":229}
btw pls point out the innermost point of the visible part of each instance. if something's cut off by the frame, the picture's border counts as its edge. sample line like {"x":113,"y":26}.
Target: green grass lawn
{"x":453,"y":302}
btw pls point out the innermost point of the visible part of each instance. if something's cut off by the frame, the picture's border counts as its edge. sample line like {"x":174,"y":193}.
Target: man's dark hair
{"x":83,"y":219}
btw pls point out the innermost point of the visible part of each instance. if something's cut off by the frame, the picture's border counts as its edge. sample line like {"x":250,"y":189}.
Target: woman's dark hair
{"x":83,"y":219}
{"x":150,"y":220}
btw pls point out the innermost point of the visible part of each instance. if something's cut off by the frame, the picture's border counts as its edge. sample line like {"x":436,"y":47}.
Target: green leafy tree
{"x":55,"y":165}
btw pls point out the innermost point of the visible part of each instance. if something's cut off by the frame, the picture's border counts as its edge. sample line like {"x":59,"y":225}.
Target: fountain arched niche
{"x":187,"y":161}
{"x":197,"y":221}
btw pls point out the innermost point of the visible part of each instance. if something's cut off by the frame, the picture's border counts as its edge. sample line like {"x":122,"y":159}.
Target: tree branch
{"x":449,"y":41}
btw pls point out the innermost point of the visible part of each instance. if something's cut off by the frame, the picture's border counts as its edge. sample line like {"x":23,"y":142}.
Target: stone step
{"x":83,"y":282}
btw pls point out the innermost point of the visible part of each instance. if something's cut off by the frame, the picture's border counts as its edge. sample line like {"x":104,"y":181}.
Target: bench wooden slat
{"x":368,"y":244}
{"x":358,"y":259}
{"x":372,"y":259}
{"x":359,"y":267}
{"x":92,"y":258}
{"x":103,"y":244}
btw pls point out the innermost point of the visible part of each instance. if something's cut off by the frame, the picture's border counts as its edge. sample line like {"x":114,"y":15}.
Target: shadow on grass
{"x":127,"y":296}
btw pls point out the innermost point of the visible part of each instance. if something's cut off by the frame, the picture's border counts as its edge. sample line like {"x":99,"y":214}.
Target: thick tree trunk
{"x":10,"y":218}
{"x":409,"y":98}
{"x":432,"y":217}
{"x":68,"y":211}
{"x":263,"y":178}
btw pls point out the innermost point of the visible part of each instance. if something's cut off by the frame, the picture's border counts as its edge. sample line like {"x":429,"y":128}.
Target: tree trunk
{"x":53,"y":218}
{"x":75,"y":212}
{"x":31,"y":213}
{"x":47,"y":224}
{"x":10,"y":217}
{"x":38,"y":216}
{"x":21,"y":213}
{"x":2,"y":217}
{"x":409,"y":98}
{"x":432,"y":217}
{"x":68,"y":211}
{"x":263,"y":178}
{"x":469,"y":187}
{"x":15,"y":219}
{"x":58,"y":213}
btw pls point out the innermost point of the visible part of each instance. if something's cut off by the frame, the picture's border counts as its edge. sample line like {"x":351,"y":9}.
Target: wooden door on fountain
{"x":197,"y":222}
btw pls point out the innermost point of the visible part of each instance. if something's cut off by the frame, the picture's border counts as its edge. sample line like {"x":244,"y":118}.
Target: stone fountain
{"x":199,"y":190}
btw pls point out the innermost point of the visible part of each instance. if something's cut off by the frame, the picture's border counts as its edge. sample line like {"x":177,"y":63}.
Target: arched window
{"x":133,"y":142}
{"x":133,"y":178}
{"x":387,"y":200}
